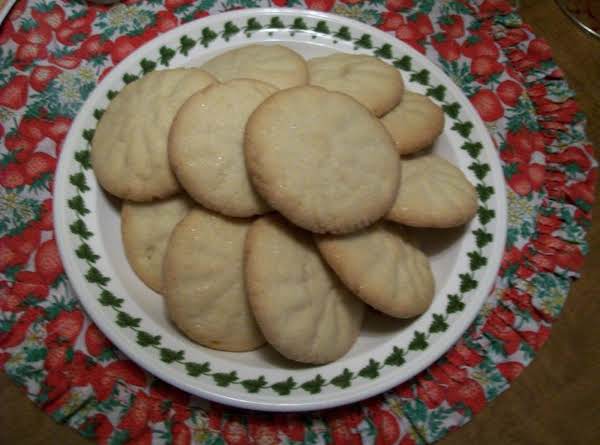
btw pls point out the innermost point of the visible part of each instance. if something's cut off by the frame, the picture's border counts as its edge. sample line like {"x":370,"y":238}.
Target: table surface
{"x":556,"y":400}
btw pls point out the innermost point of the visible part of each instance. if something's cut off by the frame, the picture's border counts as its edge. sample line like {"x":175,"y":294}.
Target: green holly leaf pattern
{"x":146,"y":339}
{"x":85,"y":252}
{"x":480,"y":170}
{"x":419,"y":342}
{"x":485,"y":215}
{"x":128,"y":78}
{"x":276,"y":23}
{"x":385,"y":51}
{"x":299,"y":24}
{"x":404,"y":63}
{"x":79,"y":181}
{"x":284,"y":388}
{"x":438,"y":92}
{"x":111,"y":94}
{"x":463,"y":128}
{"x":225,"y":379}
{"x":364,"y":42}
{"x":482,"y":237}
{"x":186,"y":44}
{"x":438,"y":324}
{"x":476,"y":261}
{"x":208,"y":35}
{"x":396,"y":358}
{"x":467,"y":282}
{"x":473,"y":148}
{"x":322,"y":27}
{"x":79,"y":228}
{"x":252,"y":25}
{"x":343,"y":33}
{"x":196,"y":369}
{"x":76,"y":203}
{"x":88,"y":134}
{"x":484,"y":192}
{"x":93,"y":275}
{"x":370,"y":371}
{"x":169,"y":356}
{"x":343,"y":380}
{"x":229,"y":31}
{"x":107,"y":298}
{"x":254,"y":385}
{"x":455,"y":304}
{"x":98,"y":113}
{"x":452,"y":109}
{"x":421,"y":77}
{"x":127,"y":321}
{"x":147,"y":65}
{"x":313,"y":386}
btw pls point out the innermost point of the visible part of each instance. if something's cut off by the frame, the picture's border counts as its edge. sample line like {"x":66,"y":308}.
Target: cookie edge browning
{"x":254,"y":289}
{"x":344,"y":272}
{"x":168,"y":277}
{"x":175,"y":163}
{"x":260,"y":180}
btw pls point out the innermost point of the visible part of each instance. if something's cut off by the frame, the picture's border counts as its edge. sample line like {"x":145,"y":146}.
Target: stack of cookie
{"x":263,"y":196}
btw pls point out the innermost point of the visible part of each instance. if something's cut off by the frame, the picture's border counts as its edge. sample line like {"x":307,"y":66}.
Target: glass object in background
{"x":585,"y":13}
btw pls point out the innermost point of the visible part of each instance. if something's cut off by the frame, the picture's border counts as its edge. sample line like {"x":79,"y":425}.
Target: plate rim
{"x":154,"y":366}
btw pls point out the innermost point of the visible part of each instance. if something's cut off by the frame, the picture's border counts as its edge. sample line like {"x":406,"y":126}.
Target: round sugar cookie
{"x":321,"y":159}
{"x":375,"y":84}
{"x":206,"y":146}
{"x":129,"y":149}
{"x":383,"y":268}
{"x":204,"y":282}
{"x":303,"y":310}
{"x":415,"y":123}
{"x":146,"y":228}
{"x":433,"y":193}
{"x":274,"y":64}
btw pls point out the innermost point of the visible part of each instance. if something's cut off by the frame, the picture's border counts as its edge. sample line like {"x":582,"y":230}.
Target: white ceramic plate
{"x":388,"y":352}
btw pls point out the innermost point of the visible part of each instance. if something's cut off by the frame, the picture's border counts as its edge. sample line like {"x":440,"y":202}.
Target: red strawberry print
{"x":45,"y":222}
{"x":581,"y":191}
{"x":489,"y":7}
{"x":469,"y":393}
{"x":399,"y":5}
{"x":8,"y":257}
{"x":58,"y":391}
{"x":181,"y":434}
{"x":476,"y":46}
{"x":19,"y":330}
{"x":510,"y":339}
{"x":234,"y":433}
{"x":174,"y":4}
{"x":6,"y":32}
{"x":292,"y":426}
{"x":510,"y":370}
{"x":320,"y":5}
{"x":509,"y":92}
{"x":95,"y":341}
{"x":22,"y":290}
{"x":388,"y":431}
{"x":17,"y":10}
{"x":134,"y":421}
{"x":12,"y":176}
{"x":122,"y":47}
{"x":431,"y":393}
{"x":572,"y":155}
{"x":341,"y":434}
{"x":453,"y":25}
{"x":409,"y":31}
{"x":536,"y":174}
{"x":106,"y":377}
{"x":41,"y":76}
{"x":201,"y":13}
{"x":37,"y":165}
{"x":18,"y":143}
{"x":487,"y":105}
{"x":53,"y":17}
{"x":40,"y":35}
{"x":165,"y":21}
{"x":145,"y":438}
{"x":94,"y":46}
{"x":165,"y":391}
{"x":504,"y":314}
{"x":448,"y":48}
{"x":539,"y":50}
{"x":390,"y":21}
{"x":262,"y":431}
{"x":100,"y":425}
{"x":462,"y":355}
{"x":28,"y":52}
{"x":67,"y":61}
{"x":32,"y":129}
{"x":485,"y":66}
{"x":79,"y":370}
{"x":26,"y":242}
{"x":58,"y":128}
{"x":71,"y":36}
{"x":47,"y":261}
{"x":65,"y":328}
{"x":438,"y":374}
{"x":455,"y":373}
{"x":520,"y":183}
{"x":13,"y":95}
{"x":423,"y":24}
{"x":4,"y":357}
{"x":84,"y":21}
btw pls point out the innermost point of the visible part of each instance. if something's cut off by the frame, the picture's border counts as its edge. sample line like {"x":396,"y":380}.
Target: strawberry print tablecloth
{"x":52,"y":54}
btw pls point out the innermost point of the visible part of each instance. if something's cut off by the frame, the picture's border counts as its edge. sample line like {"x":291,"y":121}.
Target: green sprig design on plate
{"x":371,"y":369}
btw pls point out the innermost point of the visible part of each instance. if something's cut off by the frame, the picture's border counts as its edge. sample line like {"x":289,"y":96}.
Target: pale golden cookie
{"x":274,"y":64}
{"x":204,"y":282}
{"x":433,"y":193}
{"x":383,"y":268}
{"x":321,"y":159}
{"x":129,"y":149}
{"x":303,"y":310}
{"x":146,"y":228}
{"x":375,"y":84}
{"x":206,"y":146}
{"x":415,"y":123}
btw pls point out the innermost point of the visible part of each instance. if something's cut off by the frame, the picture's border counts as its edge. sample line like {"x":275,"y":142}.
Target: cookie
{"x":321,"y":159}
{"x":129,"y":148}
{"x":206,"y":146}
{"x":303,"y":310}
{"x":204,"y":282}
{"x":415,"y":123}
{"x":433,"y":193}
{"x":375,"y":84}
{"x":274,"y":64}
{"x":146,"y":228}
{"x":383,"y":268}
